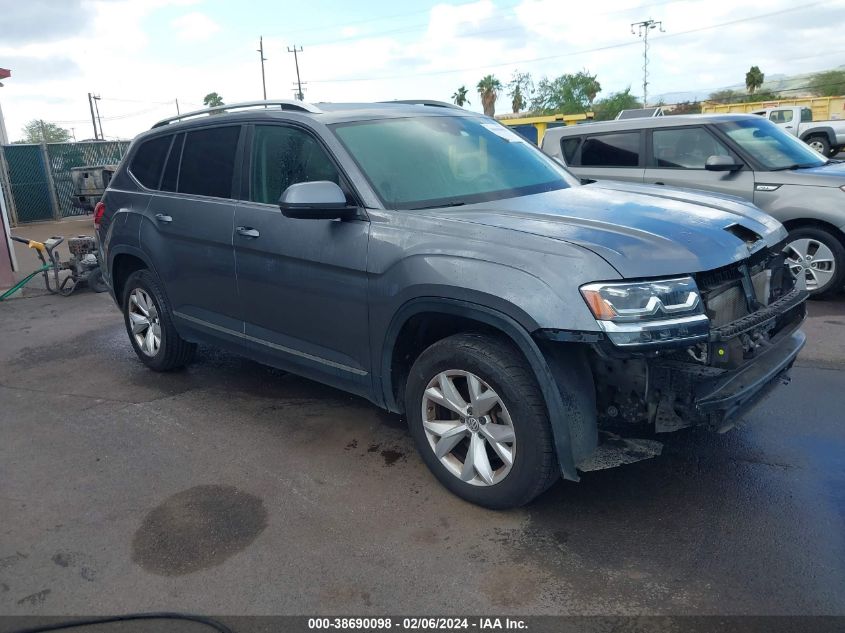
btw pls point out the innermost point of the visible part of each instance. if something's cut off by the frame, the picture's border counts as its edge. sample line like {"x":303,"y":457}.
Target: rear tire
{"x":516,"y":426}
{"x":149,"y":323}
{"x":820,"y":256}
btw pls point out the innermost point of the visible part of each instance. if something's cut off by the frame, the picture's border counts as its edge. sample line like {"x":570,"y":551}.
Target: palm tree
{"x":212,"y":100}
{"x":488,"y":89}
{"x":460,"y":97}
{"x":754,"y":79}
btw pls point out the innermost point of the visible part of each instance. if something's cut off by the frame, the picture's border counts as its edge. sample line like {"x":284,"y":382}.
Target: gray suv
{"x":737,"y":154}
{"x":431,"y":261}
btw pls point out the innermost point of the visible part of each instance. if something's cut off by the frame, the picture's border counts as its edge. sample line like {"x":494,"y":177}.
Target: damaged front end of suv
{"x":697,"y":350}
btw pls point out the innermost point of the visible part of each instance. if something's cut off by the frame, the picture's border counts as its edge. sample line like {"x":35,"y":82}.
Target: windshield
{"x":431,"y":161}
{"x":770,"y":145}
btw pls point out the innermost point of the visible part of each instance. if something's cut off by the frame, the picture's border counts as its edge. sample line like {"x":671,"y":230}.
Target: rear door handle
{"x":248,"y":231}
{"x":660,"y":183}
{"x":164,"y":219}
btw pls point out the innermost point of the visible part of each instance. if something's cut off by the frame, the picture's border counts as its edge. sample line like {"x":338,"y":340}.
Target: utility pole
{"x":99,"y":120}
{"x":263,"y":59}
{"x":642,"y":31}
{"x":73,"y":133}
{"x":93,"y":120}
{"x":177,"y":107}
{"x":299,"y":94}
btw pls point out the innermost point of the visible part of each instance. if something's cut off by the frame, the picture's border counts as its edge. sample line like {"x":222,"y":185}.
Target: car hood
{"x":828,"y":175}
{"x":640,"y":230}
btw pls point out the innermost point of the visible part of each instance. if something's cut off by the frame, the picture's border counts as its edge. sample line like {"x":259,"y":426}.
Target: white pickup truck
{"x":826,"y":137}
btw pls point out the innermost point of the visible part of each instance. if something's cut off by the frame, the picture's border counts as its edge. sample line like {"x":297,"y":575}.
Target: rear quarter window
{"x":569,"y":148}
{"x":148,"y":161}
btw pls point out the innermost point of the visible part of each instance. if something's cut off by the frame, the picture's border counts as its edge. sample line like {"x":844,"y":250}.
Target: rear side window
{"x":611,"y":150}
{"x":568,"y":147}
{"x":208,"y":162}
{"x":806,"y":115}
{"x":283,"y":156}
{"x":148,"y":161}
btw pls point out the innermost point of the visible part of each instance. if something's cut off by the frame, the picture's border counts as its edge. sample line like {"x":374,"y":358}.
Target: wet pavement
{"x":233,"y":488}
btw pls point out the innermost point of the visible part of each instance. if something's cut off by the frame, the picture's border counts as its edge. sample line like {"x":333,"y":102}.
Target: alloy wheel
{"x":812,"y":259}
{"x":145,"y":322}
{"x":468,"y":427}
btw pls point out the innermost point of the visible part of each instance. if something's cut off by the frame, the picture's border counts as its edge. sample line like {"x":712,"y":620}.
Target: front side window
{"x":208,"y":162}
{"x":611,"y":150}
{"x":431,"y":161}
{"x":149,"y":159}
{"x":770,"y":145}
{"x":685,"y":148}
{"x":283,"y":156}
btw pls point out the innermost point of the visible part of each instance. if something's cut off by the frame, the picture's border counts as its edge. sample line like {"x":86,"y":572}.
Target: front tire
{"x":479,"y":421}
{"x":149,"y":323}
{"x":820,"y":257}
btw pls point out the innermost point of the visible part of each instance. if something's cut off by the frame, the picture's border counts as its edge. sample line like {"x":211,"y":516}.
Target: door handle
{"x":660,"y":183}
{"x":788,"y":127}
{"x":164,"y":219}
{"x":247,"y":231}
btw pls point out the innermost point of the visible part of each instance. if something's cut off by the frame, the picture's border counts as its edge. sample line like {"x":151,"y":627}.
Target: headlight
{"x":648,"y":312}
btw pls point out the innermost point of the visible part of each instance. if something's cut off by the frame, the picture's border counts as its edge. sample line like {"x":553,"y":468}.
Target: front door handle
{"x":164,"y":219}
{"x":248,"y":231}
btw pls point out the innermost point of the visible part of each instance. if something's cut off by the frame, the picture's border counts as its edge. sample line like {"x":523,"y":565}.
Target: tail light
{"x":99,"y":210}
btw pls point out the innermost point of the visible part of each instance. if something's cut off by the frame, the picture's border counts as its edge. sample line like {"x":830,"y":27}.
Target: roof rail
{"x":284,"y":104}
{"x":425,"y":102}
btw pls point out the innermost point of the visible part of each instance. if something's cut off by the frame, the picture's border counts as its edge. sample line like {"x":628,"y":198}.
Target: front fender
{"x":517,"y":334}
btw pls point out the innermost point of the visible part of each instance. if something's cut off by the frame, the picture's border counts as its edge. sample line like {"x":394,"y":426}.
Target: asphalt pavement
{"x":232,"y":488}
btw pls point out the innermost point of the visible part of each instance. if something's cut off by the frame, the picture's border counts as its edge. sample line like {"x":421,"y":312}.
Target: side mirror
{"x":722,"y":163}
{"x":317,"y":200}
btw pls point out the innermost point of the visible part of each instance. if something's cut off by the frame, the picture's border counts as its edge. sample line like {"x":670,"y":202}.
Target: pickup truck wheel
{"x":819,"y":257}
{"x":149,"y":323}
{"x":479,"y":421}
{"x":820,"y":144}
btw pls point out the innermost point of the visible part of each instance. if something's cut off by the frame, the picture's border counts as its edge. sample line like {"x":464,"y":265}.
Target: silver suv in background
{"x":736,"y":154}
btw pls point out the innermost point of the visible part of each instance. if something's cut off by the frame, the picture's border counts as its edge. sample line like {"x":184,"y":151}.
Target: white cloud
{"x":194,"y":26}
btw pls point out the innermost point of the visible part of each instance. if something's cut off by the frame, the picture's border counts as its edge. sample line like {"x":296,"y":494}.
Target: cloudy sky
{"x":140,"y":55}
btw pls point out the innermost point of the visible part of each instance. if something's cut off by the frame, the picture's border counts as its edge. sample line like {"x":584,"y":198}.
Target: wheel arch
{"x":458,"y":315}
{"x":802,"y":223}
{"x":123,"y":261}
{"x":826,"y":132}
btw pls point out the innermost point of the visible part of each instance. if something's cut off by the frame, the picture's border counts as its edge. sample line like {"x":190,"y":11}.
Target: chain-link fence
{"x":38,"y":177}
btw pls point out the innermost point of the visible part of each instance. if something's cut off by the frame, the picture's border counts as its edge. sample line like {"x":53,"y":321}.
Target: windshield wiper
{"x":457,"y":203}
{"x":796,"y":166}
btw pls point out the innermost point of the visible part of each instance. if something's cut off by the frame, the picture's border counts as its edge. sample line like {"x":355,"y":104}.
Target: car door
{"x":302,"y":283}
{"x":783,"y":118}
{"x":188,"y":235}
{"x":678,"y":155}
{"x":606,"y":156}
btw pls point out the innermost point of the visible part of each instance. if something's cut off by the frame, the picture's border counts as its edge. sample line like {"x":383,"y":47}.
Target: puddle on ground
{"x":196,"y":529}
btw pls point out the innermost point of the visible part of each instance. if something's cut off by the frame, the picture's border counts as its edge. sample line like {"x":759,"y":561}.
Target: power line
{"x":576,"y":53}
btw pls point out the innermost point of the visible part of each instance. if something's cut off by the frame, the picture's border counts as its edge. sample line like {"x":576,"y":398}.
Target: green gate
{"x":29,"y":182}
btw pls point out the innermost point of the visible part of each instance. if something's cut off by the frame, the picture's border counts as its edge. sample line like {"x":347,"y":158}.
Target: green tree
{"x":489,"y":89}
{"x":212,"y":100}
{"x":686,"y":107}
{"x":828,"y":84}
{"x":38,"y":131}
{"x":727,"y":96}
{"x":754,"y":79}
{"x":460,"y":97}
{"x":567,"y":94}
{"x":520,"y":88}
{"x":606,"y":109}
